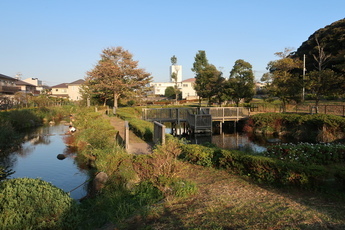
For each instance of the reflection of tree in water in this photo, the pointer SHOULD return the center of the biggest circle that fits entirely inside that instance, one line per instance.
(38, 136)
(8, 162)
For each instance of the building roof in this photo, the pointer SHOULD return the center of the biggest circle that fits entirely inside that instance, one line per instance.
(7, 77)
(62, 85)
(20, 82)
(77, 82)
(189, 80)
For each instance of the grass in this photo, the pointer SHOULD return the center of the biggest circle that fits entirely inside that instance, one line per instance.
(226, 201)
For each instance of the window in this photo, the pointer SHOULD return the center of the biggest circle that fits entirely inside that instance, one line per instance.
(185, 85)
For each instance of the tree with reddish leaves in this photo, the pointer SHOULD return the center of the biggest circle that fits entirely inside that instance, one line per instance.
(117, 74)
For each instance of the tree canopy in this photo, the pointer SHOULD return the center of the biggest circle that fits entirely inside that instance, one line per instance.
(241, 82)
(283, 80)
(207, 77)
(117, 74)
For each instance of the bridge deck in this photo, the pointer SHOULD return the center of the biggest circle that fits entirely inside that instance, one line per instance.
(199, 119)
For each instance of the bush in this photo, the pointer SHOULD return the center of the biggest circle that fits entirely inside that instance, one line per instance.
(197, 154)
(35, 204)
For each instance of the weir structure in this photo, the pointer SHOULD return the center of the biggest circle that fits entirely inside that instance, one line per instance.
(195, 120)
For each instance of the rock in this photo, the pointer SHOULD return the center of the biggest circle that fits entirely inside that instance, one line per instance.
(98, 183)
(61, 156)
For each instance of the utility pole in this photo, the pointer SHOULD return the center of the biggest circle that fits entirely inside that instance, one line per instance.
(303, 89)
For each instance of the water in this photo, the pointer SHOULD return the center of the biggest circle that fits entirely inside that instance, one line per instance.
(37, 158)
(231, 138)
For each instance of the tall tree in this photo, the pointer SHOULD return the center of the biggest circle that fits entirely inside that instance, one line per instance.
(241, 82)
(200, 62)
(118, 73)
(174, 75)
(206, 82)
(322, 81)
(285, 83)
(203, 75)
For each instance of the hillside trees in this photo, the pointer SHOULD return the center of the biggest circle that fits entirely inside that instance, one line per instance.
(241, 82)
(116, 74)
(325, 60)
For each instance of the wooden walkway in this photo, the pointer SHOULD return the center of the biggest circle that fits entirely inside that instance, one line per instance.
(198, 119)
(136, 144)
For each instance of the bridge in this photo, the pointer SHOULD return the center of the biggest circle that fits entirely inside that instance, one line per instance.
(198, 120)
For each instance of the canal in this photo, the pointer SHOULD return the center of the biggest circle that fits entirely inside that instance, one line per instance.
(37, 158)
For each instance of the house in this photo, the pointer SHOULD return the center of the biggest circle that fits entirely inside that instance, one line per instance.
(8, 85)
(74, 90)
(60, 90)
(68, 90)
(27, 87)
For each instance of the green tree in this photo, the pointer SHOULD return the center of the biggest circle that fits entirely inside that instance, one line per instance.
(322, 81)
(241, 82)
(170, 92)
(174, 77)
(285, 78)
(206, 82)
(206, 77)
(118, 73)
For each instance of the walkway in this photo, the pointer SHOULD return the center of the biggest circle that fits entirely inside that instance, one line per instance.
(136, 145)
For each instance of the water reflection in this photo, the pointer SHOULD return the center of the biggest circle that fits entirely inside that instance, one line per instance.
(229, 136)
(37, 158)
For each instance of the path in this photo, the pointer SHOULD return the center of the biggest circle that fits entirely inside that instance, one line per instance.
(136, 144)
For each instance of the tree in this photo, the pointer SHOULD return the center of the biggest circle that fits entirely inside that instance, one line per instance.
(322, 81)
(170, 92)
(206, 82)
(241, 81)
(285, 78)
(205, 76)
(118, 74)
(174, 75)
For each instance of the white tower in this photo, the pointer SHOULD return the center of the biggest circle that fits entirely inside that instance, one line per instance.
(178, 70)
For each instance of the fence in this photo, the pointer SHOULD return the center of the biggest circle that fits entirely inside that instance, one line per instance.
(338, 110)
(158, 133)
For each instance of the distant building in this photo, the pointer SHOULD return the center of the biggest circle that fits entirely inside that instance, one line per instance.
(26, 87)
(8, 85)
(68, 90)
(186, 86)
(39, 86)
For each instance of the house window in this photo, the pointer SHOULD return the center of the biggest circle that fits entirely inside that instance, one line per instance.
(56, 90)
(185, 85)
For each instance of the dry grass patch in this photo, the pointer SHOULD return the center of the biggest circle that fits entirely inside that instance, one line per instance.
(226, 201)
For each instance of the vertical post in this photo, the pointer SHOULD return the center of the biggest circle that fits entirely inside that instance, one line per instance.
(126, 135)
(303, 89)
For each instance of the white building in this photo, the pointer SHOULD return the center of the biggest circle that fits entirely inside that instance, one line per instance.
(186, 86)
(38, 83)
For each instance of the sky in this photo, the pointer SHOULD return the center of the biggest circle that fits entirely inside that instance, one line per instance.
(58, 41)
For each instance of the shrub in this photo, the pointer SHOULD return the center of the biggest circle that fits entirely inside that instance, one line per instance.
(306, 153)
(197, 154)
(35, 204)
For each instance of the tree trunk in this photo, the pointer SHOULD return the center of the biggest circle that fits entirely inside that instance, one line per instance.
(116, 98)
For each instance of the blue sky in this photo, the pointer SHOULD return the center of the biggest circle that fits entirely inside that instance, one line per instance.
(58, 41)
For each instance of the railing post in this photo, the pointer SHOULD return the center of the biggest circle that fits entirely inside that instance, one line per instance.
(126, 135)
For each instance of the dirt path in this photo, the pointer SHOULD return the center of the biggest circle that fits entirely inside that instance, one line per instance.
(136, 145)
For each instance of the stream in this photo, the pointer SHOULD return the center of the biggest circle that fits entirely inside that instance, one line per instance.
(37, 158)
